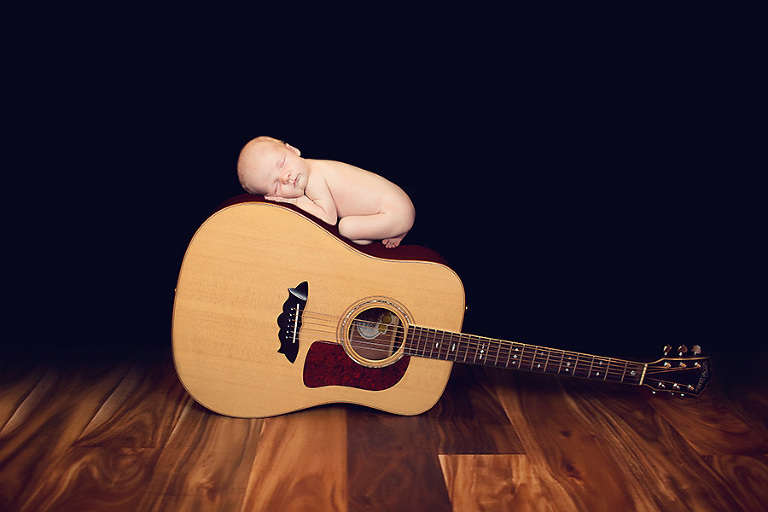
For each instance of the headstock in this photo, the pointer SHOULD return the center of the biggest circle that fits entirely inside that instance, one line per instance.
(687, 373)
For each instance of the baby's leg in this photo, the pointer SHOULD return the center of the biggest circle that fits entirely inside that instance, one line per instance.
(388, 227)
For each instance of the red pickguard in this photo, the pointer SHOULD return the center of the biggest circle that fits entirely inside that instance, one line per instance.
(328, 365)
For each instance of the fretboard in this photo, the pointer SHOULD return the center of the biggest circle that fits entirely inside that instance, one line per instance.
(469, 349)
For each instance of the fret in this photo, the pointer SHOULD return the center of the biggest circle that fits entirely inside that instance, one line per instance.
(481, 351)
(498, 352)
(431, 345)
(555, 362)
(582, 366)
(451, 348)
(515, 355)
(413, 341)
(454, 346)
(634, 374)
(438, 343)
(492, 352)
(539, 360)
(434, 342)
(599, 371)
(444, 347)
(424, 349)
(422, 342)
(416, 348)
(465, 350)
(570, 363)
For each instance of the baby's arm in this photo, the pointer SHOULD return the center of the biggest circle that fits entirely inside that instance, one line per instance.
(324, 210)
(321, 203)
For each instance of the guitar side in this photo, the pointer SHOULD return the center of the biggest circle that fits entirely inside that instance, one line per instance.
(232, 288)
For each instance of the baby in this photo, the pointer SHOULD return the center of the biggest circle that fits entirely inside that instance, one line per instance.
(369, 206)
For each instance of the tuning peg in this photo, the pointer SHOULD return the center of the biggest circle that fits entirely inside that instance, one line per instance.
(667, 349)
(696, 350)
(682, 349)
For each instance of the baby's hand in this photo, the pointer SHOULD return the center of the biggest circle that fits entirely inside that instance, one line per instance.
(278, 199)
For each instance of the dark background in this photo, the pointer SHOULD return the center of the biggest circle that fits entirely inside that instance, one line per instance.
(589, 177)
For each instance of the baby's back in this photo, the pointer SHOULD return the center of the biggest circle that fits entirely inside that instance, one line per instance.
(359, 192)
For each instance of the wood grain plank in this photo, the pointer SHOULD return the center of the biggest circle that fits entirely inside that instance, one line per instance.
(746, 478)
(142, 411)
(205, 465)
(741, 378)
(469, 419)
(108, 462)
(494, 482)
(709, 423)
(660, 468)
(301, 463)
(393, 463)
(15, 385)
(565, 446)
(46, 424)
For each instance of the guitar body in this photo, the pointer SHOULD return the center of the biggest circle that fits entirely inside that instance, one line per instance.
(264, 303)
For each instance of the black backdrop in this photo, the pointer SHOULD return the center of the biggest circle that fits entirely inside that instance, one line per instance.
(584, 180)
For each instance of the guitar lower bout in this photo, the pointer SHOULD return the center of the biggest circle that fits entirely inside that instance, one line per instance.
(273, 313)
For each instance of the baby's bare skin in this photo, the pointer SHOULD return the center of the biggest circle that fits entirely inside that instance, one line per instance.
(367, 206)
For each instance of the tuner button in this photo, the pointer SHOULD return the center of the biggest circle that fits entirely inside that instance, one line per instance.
(661, 385)
(676, 387)
(696, 350)
(697, 365)
(683, 365)
(667, 349)
(690, 387)
(682, 349)
(667, 364)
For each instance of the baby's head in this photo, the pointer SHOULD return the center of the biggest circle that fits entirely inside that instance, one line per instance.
(272, 168)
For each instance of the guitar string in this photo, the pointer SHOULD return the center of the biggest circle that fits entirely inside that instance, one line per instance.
(475, 344)
(479, 348)
(619, 372)
(616, 368)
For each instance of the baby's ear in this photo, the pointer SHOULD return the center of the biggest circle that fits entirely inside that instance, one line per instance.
(295, 150)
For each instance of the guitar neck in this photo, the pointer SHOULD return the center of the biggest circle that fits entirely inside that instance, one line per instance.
(470, 349)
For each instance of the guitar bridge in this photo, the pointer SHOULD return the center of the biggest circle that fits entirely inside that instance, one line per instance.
(289, 321)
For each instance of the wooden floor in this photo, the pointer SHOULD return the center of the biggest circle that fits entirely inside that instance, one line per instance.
(123, 434)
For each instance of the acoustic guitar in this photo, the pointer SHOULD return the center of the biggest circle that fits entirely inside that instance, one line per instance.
(274, 312)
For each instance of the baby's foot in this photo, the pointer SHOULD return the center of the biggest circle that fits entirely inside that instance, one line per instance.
(390, 243)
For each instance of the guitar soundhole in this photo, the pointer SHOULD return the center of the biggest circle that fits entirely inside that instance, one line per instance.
(375, 335)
